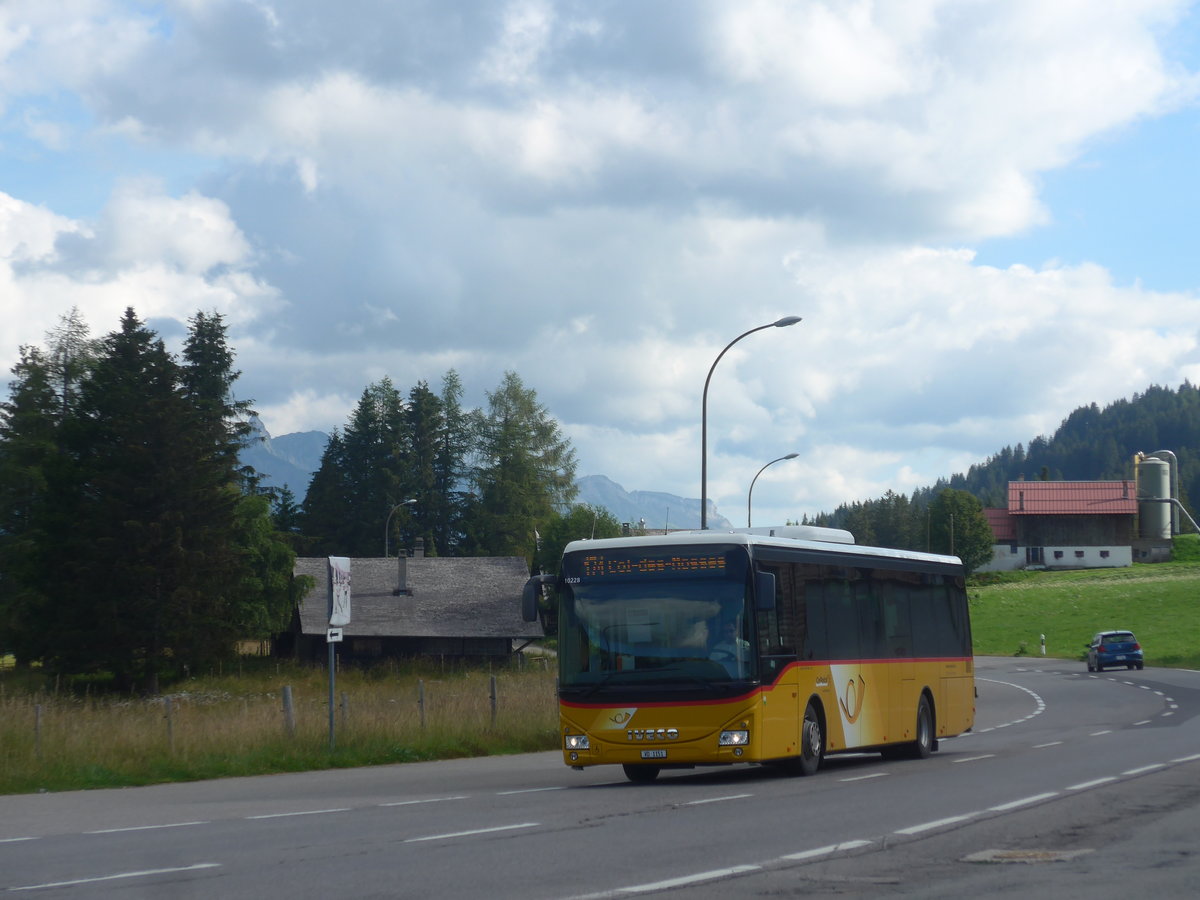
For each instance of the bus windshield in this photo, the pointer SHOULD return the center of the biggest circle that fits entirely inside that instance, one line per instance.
(654, 619)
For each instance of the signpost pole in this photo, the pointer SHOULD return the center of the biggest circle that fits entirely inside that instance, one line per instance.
(339, 617)
(332, 677)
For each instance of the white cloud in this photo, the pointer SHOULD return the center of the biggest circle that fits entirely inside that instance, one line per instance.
(600, 197)
(165, 257)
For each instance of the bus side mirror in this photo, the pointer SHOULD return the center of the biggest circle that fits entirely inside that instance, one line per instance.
(530, 595)
(764, 590)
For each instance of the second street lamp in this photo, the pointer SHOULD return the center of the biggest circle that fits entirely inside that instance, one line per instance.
(750, 493)
(781, 323)
(388, 523)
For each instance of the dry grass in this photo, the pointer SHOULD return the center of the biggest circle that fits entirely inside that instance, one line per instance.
(235, 725)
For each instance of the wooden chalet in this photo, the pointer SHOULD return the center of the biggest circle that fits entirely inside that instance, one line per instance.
(447, 607)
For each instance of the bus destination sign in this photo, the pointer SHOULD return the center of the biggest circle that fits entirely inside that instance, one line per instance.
(616, 565)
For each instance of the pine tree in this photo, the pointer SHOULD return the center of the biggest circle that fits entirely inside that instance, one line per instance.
(375, 467)
(452, 490)
(326, 508)
(426, 425)
(154, 557)
(71, 354)
(525, 473)
(29, 424)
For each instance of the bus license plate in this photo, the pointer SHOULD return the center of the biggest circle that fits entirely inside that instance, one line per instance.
(654, 754)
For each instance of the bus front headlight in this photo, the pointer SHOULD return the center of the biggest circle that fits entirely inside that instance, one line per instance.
(733, 739)
(576, 741)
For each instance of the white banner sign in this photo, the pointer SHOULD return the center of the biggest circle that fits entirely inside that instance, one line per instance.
(339, 591)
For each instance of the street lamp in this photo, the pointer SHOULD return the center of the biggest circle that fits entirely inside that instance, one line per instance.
(750, 495)
(782, 323)
(388, 524)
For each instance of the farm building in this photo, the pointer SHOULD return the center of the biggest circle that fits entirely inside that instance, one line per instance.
(1065, 525)
(447, 607)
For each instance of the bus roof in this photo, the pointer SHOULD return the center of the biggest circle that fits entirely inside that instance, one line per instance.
(753, 539)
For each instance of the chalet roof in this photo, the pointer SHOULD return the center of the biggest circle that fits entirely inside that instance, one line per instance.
(1058, 498)
(450, 597)
(1003, 526)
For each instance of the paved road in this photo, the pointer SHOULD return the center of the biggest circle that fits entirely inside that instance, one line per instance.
(1061, 761)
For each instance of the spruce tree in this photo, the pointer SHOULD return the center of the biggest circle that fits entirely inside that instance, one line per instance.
(29, 424)
(525, 472)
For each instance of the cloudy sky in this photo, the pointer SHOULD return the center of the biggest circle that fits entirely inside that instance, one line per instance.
(982, 209)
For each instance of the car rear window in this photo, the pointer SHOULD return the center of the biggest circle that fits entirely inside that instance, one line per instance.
(1120, 638)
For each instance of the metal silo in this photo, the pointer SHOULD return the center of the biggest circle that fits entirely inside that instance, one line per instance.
(1154, 494)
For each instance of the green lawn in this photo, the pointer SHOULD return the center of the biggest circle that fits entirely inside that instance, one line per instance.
(1160, 603)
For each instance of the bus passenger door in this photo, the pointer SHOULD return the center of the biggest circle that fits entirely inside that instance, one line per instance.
(779, 634)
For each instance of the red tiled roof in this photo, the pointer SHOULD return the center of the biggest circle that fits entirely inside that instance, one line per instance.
(1057, 498)
(1002, 524)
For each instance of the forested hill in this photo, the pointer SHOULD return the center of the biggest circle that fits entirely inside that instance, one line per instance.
(1092, 444)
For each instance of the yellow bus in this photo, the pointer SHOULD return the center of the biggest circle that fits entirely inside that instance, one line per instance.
(769, 645)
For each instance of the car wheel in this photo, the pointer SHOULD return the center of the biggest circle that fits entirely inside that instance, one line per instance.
(812, 741)
(641, 774)
(1139, 665)
(1091, 668)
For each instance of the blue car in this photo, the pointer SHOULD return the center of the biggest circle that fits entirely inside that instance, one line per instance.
(1114, 648)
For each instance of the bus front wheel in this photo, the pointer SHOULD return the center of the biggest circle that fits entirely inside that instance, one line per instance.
(812, 741)
(640, 774)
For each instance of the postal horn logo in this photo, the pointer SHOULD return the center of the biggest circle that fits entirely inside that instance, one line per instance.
(852, 699)
(621, 716)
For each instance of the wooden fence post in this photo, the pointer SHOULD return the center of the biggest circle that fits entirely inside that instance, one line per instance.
(170, 726)
(37, 730)
(289, 712)
(421, 700)
(492, 693)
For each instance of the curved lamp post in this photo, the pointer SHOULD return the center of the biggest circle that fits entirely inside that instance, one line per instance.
(781, 323)
(387, 524)
(750, 495)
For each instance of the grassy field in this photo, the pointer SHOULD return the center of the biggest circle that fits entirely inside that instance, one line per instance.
(1160, 603)
(235, 725)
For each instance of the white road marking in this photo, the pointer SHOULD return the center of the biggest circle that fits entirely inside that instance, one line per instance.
(865, 777)
(306, 812)
(144, 827)
(1043, 746)
(1091, 784)
(473, 832)
(927, 826)
(430, 800)
(825, 851)
(1098, 733)
(1024, 801)
(974, 758)
(1141, 769)
(718, 799)
(142, 874)
(529, 791)
(684, 880)
(17, 840)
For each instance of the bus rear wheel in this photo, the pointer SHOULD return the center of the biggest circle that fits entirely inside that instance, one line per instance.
(641, 774)
(922, 747)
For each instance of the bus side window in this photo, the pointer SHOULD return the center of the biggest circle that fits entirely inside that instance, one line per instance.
(768, 619)
(896, 620)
